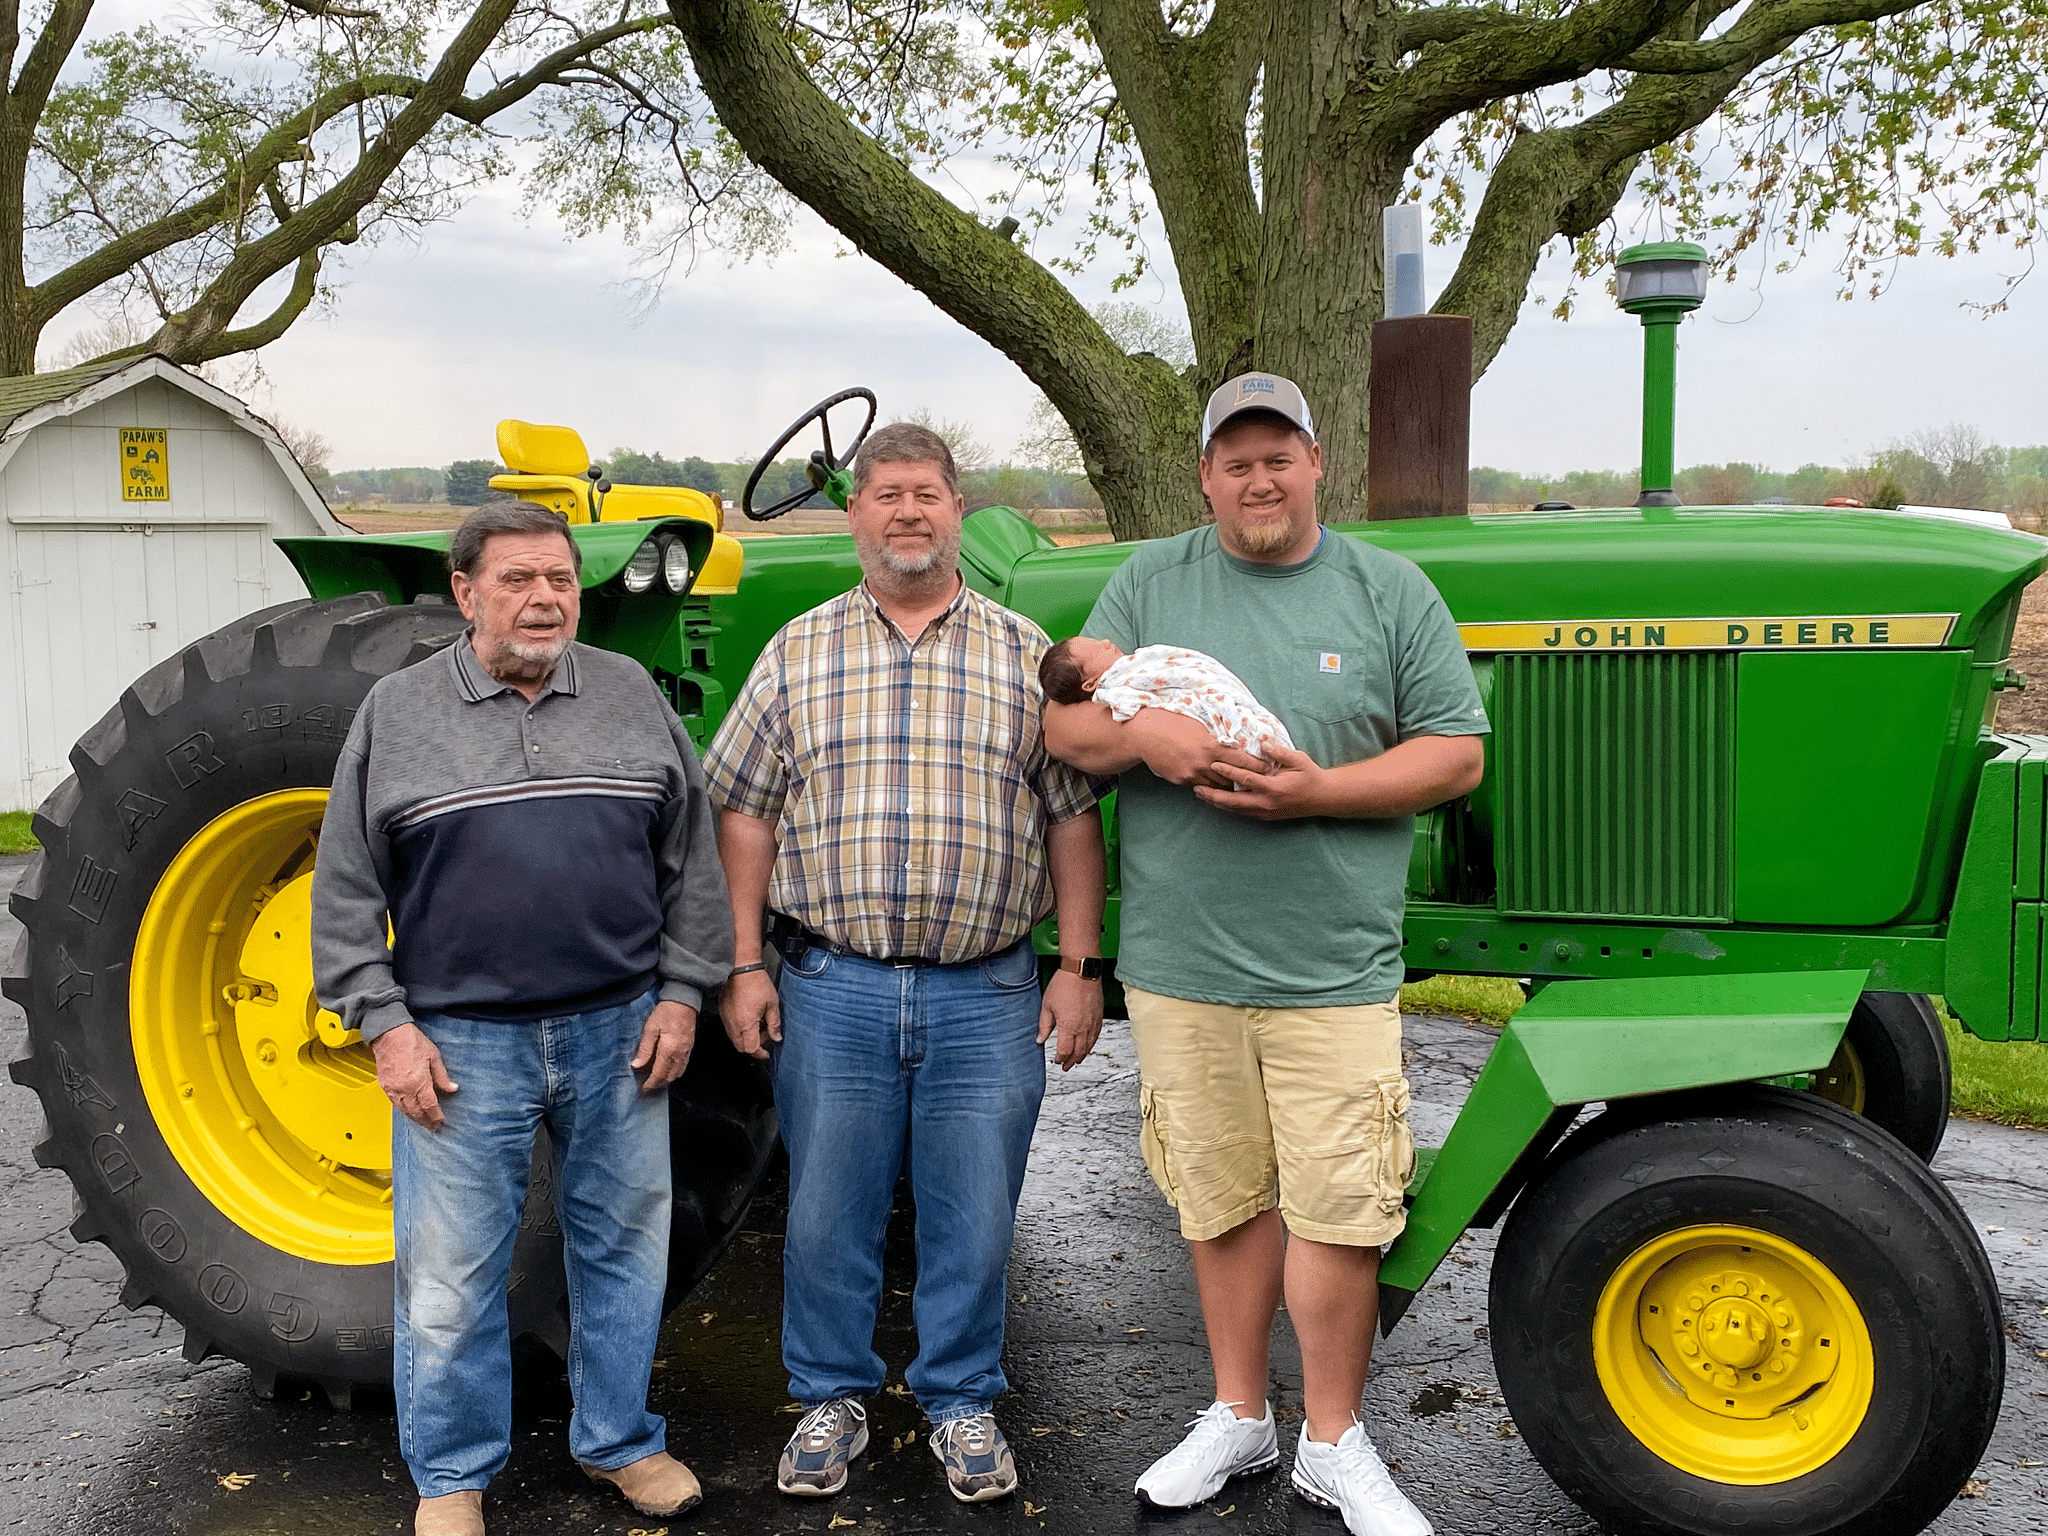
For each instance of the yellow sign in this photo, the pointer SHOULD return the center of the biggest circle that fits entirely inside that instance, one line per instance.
(1795, 632)
(145, 464)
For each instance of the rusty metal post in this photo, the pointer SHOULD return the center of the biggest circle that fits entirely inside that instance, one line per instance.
(1418, 461)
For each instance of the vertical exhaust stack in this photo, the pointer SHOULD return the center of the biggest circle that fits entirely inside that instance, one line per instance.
(1660, 284)
(1419, 452)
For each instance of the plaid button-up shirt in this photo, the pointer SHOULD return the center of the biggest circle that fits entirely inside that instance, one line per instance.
(909, 777)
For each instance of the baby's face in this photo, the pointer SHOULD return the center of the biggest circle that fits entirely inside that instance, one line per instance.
(1095, 656)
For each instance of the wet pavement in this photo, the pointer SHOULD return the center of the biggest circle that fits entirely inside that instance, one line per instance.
(105, 1429)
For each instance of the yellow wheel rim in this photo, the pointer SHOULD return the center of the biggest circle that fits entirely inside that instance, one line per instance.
(1733, 1354)
(269, 1106)
(1841, 1080)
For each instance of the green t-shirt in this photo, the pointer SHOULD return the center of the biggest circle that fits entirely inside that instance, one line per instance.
(1354, 650)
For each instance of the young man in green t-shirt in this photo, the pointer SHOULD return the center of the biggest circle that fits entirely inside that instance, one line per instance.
(1261, 930)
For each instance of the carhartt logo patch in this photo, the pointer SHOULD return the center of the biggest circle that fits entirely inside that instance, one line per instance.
(1329, 661)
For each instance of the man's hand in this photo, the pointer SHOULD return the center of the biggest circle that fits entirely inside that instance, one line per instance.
(665, 1044)
(752, 1014)
(1073, 1007)
(412, 1074)
(1290, 786)
(1180, 751)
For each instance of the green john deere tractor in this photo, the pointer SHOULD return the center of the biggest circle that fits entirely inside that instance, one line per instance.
(1744, 811)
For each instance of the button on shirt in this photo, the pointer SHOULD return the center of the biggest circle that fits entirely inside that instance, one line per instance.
(909, 777)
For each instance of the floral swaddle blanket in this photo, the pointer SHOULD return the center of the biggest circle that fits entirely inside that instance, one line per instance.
(1194, 684)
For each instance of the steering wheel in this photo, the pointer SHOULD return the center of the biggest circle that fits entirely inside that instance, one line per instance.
(822, 464)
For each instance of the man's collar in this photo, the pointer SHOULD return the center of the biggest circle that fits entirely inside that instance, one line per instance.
(874, 604)
(477, 684)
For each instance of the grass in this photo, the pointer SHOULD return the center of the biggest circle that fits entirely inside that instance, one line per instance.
(1994, 1080)
(15, 837)
(1997, 1080)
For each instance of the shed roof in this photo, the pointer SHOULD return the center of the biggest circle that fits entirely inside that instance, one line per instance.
(24, 392)
(29, 400)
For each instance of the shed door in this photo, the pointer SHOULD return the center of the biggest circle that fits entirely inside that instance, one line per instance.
(98, 607)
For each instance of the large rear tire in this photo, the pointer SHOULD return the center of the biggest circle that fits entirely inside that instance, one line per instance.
(226, 1140)
(1746, 1311)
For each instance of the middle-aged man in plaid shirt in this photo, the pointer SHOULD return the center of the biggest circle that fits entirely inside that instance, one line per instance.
(887, 794)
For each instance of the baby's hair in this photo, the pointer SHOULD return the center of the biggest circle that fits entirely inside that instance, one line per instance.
(1062, 677)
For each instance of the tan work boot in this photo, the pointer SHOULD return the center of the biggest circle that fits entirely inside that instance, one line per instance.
(654, 1485)
(452, 1514)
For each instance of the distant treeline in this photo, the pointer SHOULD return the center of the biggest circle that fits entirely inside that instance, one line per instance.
(1950, 467)
(465, 482)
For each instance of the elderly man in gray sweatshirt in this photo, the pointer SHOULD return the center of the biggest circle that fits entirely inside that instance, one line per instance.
(528, 815)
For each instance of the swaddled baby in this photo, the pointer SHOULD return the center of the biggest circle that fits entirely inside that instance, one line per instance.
(1161, 677)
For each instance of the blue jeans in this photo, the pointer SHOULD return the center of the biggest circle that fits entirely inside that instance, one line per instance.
(455, 1199)
(870, 1051)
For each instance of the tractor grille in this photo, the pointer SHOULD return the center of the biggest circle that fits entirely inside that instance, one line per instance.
(1616, 784)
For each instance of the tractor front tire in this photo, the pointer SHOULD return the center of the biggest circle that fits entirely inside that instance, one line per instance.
(1892, 1068)
(225, 1139)
(1746, 1311)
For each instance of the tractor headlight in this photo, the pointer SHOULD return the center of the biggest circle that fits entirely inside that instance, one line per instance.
(642, 568)
(675, 566)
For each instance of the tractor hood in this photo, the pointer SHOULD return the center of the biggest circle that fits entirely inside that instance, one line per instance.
(1704, 578)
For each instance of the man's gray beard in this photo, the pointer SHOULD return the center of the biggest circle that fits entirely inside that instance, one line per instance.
(532, 653)
(937, 562)
(1266, 538)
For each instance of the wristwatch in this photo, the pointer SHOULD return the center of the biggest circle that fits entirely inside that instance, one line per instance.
(1094, 968)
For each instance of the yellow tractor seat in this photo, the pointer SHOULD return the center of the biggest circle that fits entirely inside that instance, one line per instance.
(549, 468)
(526, 449)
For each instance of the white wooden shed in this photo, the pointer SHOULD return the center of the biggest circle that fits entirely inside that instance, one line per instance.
(138, 503)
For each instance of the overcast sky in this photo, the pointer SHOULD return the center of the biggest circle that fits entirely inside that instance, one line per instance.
(494, 316)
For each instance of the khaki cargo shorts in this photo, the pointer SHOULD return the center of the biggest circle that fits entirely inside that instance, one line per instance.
(1249, 1108)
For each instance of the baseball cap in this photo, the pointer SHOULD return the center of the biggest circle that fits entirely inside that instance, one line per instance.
(1256, 392)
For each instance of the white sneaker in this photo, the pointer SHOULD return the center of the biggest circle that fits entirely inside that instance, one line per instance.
(1350, 1478)
(1218, 1447)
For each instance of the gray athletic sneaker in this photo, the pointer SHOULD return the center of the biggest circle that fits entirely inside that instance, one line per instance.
(828, 1437)
(976, 1458)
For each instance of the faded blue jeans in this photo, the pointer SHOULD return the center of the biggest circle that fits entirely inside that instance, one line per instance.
(455, 1198)
(870, 1051)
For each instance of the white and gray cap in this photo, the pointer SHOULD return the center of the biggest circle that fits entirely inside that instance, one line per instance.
(1256, 392)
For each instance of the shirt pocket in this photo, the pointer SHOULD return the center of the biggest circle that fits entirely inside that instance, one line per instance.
(1328, 680)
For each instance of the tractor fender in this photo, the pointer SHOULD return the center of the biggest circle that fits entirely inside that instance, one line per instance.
(1586, 1042)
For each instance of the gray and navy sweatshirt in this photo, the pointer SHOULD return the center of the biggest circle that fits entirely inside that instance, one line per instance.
(534, 859)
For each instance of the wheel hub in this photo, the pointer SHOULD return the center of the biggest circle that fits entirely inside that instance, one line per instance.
(1734, 1354)
(267, 1104)
(297, 1053)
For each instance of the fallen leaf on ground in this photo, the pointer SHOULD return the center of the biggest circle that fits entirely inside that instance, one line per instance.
(1975, 1488)
(1033, 1509)
(1220, 1513)
(707, 1317)
(839, 1521)
(659, 1530)
(1506, 1430)
(1133, 1332)
(1043, 1429)
(235, 1482)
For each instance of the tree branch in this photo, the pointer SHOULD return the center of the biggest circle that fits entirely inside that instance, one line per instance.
(31, 89)
(478, 110)
(1130, 414)
(189, 336)
(1443, 24)
(1506, 57)
(283, 143)
(1762, 32)
(1188, 99)
(305, 286)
